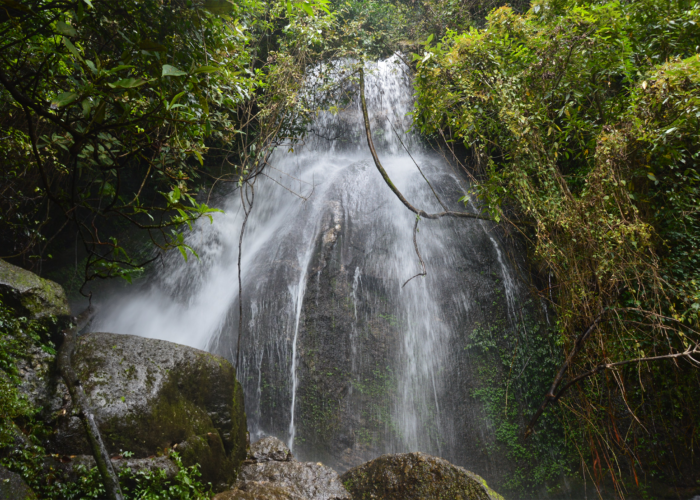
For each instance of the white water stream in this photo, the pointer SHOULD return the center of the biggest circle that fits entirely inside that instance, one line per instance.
(412, 338)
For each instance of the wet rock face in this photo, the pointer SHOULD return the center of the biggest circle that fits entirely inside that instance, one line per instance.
(12, 487)
(274, 474)
(305, 479)
(259, 491)
(29, 294)
(270, 449)
(409, 476)
(149, 395)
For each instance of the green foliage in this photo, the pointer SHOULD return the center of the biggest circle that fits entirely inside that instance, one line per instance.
(582, 119)
(107, 115)
(515, 363)
(17, 336)
(143, 484)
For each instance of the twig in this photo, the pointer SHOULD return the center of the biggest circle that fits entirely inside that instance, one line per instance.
(240, 252)
(549, 397)
(415, 244)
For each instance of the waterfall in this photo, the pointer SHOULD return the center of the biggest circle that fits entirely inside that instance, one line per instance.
(336, 357)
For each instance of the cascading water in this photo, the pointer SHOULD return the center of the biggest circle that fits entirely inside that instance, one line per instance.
(336, 357)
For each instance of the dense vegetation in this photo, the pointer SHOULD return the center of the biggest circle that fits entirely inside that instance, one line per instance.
(580, 120)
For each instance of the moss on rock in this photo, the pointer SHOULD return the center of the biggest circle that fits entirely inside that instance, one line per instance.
(36, 297)
(149, 395)
(415, 476)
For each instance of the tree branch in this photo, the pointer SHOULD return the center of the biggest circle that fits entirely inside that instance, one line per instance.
(386, 177)
(99, 451)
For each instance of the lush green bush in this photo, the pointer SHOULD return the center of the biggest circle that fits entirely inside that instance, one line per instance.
(582, 119)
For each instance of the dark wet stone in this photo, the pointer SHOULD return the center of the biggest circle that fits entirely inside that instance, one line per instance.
(308, 480)
(270, 449)
(13, 487)
(415, 476)
(149, 395)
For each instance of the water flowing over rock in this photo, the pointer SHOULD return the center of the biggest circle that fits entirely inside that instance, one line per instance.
(149, 396)
(415, 476)
(337, 358)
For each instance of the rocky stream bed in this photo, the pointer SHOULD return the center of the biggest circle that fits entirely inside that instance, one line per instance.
(152, 397)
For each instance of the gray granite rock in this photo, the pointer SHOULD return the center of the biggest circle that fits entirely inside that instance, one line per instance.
(150, 395)
(31, 295)
(270, 449)
(12, 487)
(306, 479)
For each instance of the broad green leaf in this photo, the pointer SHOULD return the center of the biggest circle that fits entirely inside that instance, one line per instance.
(63, 99)
(169, 70)
(120, 67)
(65, 29)
(176, 98)
(199, 157)
(218, 6)
(206, 69)
(71, 48)
(127, 83)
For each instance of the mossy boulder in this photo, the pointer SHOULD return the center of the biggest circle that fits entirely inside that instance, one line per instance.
(30, 295)
(263, 490)
(149, 396)
(12, 487)
(415, 476)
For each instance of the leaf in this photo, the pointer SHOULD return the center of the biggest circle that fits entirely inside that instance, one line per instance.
(127, 83)
(152, 46)
(100, 112)
(205, 69)
(176, 98)
(72, 49)
(183, 251)
(65, 29)
(63, 99)
(199, 157)
(120, 67)
(652, 177)
(169, 70)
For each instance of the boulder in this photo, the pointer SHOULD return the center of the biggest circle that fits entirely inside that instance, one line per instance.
(307, 480)
(415, 476)
(12, 487)
(270, 449)
(255, 490)
(149, 396)
(30, 295)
